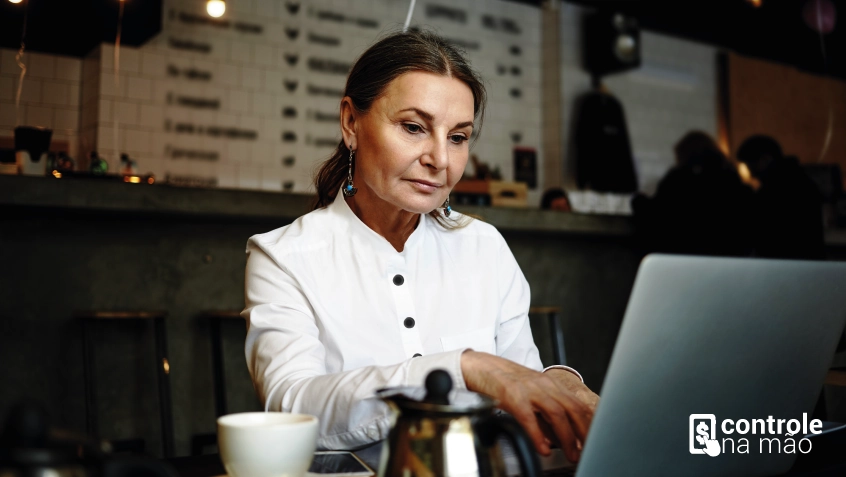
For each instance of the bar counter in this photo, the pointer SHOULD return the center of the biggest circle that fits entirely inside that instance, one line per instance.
(115, 196)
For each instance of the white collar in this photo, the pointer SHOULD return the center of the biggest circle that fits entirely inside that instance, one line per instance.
(341, 211)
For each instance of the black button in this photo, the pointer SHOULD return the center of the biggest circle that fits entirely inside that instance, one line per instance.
(417, 355)
(409, 322)
(398, 280)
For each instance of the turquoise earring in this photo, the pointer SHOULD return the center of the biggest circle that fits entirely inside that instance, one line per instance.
(349, 190)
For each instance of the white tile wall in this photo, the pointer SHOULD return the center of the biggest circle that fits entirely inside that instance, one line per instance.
(56, 93)
(248, 73)
(90, 106)
(130, 60)
(31, 92)
(108, 88)
(240, 101)
(137, 141)
(126, 113)
(229, 75)
(140, 89)
(8, 118)
(249, 177)
(68, 68)
(66, 121)
(39, 65)
(265, 55)
(106, 142)
(75, 94)
(151, 116)
(8, 66)
(105, 109)
(50, 96)
(7, 88)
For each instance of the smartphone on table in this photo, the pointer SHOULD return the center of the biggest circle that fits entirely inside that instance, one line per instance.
(338, 463)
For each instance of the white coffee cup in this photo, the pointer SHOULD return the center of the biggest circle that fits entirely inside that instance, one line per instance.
(266, 444)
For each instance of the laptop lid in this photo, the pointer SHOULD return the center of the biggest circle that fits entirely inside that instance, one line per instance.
(705, 340)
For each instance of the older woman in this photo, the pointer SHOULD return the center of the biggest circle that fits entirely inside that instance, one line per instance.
(383, 282)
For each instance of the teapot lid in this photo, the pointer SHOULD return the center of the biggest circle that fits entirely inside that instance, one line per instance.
(437, 396)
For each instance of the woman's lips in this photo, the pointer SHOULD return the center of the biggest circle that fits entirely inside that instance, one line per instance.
(425, 186)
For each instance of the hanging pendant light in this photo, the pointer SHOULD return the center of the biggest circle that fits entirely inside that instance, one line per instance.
(216, 8)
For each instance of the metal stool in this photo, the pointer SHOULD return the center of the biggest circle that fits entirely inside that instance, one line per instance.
(162, 367)
(556, 334)
(216, 319)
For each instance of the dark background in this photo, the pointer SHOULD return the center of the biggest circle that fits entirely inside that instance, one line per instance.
(775, 31)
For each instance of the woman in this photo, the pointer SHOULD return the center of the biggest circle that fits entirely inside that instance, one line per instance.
(383, 282)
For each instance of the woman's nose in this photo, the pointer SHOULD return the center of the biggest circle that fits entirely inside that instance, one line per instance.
(437, 156)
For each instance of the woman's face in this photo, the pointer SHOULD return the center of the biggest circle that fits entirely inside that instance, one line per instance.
(411, 147)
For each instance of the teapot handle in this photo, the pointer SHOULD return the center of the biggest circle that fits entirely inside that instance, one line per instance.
(493, 427)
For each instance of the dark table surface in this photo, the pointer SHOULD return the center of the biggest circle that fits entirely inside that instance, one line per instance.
(210, 466)
(828, 459)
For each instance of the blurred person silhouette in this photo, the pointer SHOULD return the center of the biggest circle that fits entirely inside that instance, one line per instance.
(604, 160)
(555, 198)
(788, 220)
(701, 206)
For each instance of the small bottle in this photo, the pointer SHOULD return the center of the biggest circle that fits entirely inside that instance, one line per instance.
(128, 167)
(51, 162)
(98, 166)
(65, 163)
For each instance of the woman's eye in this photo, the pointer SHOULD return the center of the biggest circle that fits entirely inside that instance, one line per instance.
(412, 128)
(458, 138)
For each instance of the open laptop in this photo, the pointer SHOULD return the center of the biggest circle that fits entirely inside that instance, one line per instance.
(709, 339)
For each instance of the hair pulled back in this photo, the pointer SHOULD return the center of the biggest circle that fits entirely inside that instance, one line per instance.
(387, 59)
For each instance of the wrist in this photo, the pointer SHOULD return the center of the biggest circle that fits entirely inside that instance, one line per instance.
(469, 362)
(476, 368)
(560, 368)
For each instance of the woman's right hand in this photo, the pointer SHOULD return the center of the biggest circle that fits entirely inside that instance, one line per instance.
(536, 400)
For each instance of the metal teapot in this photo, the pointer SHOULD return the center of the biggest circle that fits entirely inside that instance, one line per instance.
(439, 431)
(29, 448)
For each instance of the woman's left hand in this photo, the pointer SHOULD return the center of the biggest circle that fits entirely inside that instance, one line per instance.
(549, 406)
(571, 383)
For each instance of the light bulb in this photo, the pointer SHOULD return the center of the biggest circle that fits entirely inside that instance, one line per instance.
(16, 1)
(216, 8)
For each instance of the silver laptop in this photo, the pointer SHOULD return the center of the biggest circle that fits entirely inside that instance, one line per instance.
(710, 349)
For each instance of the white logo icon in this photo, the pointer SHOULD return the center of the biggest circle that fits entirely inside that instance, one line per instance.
(701, 441)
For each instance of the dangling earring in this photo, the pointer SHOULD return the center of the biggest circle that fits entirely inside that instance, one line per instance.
(349, 190)
(447, 208)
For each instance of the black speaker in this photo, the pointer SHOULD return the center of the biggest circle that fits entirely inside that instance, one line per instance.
(611, 43)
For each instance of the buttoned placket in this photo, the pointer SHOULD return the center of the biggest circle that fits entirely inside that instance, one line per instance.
(396, 275)
(401, 283)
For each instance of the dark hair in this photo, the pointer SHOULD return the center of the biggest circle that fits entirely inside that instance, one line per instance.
(552, 194)
(390, 57)
(697, 147)
(759, 145)
(758, 152)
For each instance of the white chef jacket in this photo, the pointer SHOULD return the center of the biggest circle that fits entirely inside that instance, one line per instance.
(334, 313)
